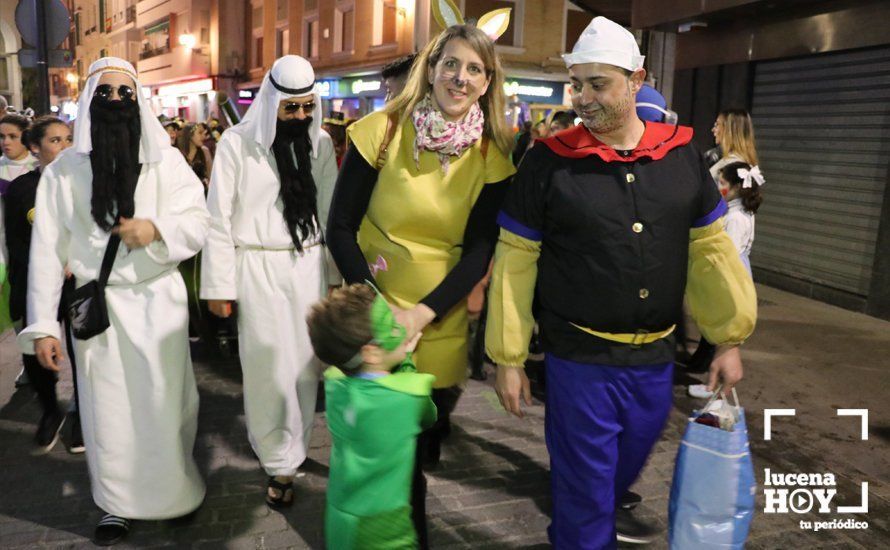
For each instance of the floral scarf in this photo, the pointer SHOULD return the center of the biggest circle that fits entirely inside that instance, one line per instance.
(445, 138)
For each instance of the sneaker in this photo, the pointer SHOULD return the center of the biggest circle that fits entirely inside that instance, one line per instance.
(111, 530)
(75, 445)
(633, 531)
(629, 500)
(48, 431)
(22, 379)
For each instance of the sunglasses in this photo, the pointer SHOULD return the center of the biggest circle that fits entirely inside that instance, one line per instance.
(125, 92)
(294, 107)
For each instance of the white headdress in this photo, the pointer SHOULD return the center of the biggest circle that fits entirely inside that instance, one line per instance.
(604, 41)
(153, 138)
(750, 176)
(290, 76)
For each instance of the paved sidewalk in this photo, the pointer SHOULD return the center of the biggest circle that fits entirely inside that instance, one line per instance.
(491, 489)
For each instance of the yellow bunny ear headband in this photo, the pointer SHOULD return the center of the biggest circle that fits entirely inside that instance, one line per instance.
(493, 23)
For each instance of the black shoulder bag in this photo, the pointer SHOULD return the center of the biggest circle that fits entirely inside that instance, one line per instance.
(87, 310)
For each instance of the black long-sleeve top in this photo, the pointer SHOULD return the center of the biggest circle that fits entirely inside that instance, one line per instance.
(352, 194)
(17, 204)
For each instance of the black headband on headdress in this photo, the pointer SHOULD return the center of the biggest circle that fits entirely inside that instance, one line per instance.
(292, 91)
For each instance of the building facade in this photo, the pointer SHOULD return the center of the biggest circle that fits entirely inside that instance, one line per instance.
(814, 76)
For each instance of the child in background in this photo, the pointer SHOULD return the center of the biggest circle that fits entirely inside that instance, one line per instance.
(377, 404)
(740, 184)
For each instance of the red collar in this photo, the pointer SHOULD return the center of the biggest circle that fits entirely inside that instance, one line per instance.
(658, 139)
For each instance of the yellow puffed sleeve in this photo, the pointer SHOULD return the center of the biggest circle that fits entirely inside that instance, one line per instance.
(719, 290)
(509, 325)
(367, 135)
(498, 166)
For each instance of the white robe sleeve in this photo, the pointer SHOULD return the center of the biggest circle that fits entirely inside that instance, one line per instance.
(738, 230)
(183, 221)
(48, 257)
(325, 186)
(218, 259)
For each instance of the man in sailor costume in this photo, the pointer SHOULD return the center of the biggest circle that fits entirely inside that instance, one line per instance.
(269, 196)
(609, 223)
(137, 394)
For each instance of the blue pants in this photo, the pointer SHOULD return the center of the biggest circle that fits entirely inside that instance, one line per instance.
(601, 423)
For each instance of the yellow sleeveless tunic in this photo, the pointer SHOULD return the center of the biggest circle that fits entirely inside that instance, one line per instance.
(412, 233)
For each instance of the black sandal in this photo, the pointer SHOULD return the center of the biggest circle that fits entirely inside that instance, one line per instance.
(111, 530)
(277, 503)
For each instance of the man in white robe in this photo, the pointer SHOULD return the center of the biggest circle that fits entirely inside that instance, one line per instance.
(271, 187)
(138, 399)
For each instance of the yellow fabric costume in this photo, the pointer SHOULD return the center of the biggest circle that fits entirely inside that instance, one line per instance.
(413, 230)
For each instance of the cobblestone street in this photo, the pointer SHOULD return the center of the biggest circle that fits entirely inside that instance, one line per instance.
(491, 488)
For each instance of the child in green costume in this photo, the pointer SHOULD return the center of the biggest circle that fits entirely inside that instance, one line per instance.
(377, 404)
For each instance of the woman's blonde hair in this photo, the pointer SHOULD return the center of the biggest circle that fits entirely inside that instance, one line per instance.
(492, 102)
(738, 135)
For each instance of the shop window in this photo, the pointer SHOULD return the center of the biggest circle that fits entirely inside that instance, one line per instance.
(512, 36)
(344, 27)
(384, 25)
(576, 20)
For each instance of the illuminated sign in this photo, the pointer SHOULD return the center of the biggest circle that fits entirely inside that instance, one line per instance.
(246, 94)
(533, 90)
(360, 86)
(323, 88)
(186, 88)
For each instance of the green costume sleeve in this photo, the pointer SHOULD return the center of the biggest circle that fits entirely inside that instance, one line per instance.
(720, 293)
(510, 322)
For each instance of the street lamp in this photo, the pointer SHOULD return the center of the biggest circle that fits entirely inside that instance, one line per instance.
(188, 40)
(71, 78)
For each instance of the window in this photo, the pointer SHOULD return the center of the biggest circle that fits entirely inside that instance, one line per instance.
(310, 5)
(513, 35)
(384, 26)
(77, 35)
(576, 20)
(310, 47)
(157, 39)
(344, 27)
(257, 51)
(257, 17)
(282, 42)
(281, 12)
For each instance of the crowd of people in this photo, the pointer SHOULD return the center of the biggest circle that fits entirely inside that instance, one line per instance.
(347, 256)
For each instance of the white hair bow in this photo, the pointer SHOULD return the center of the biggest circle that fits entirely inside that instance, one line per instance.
(748, 176)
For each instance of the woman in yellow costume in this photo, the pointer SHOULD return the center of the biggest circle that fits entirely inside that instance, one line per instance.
(415, 205)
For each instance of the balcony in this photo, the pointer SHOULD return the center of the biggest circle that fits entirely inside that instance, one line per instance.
(131, 14)
(163, 65)
(148, 54)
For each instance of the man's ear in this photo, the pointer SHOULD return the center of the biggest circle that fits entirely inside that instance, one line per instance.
(637, 78)
(371, 355)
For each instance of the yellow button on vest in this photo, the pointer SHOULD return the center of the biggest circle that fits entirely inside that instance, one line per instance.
(638, 227)
(644, 293)
(631, 178)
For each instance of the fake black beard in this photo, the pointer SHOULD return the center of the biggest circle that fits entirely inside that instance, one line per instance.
(115, 131)
(298, 191)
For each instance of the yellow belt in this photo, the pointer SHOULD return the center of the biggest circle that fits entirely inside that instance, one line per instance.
(637, 338)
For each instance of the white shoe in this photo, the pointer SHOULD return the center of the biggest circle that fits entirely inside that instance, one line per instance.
(699, 391)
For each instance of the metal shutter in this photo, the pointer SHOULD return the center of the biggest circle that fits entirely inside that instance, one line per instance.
(822, 124)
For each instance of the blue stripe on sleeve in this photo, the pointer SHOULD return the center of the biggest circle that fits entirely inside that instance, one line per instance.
(513, 226)
(715, 215)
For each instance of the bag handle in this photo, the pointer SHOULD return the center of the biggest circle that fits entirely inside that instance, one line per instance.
(719, 391)
(108, 259)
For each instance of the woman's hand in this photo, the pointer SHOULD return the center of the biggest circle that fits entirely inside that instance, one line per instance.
(415, 319)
